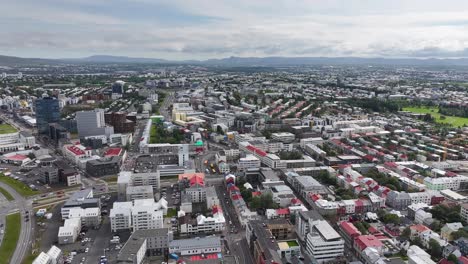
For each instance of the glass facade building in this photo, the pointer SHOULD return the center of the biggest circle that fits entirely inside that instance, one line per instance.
(47, 111)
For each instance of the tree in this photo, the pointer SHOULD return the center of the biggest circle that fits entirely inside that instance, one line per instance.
(246, 195)
(436, 225)
(219, 130)
(460, 233)
(453, 258)
(435, 249)
(381, 213)
(255, 203)
(406, 233)
(391, 219)
(417, 241)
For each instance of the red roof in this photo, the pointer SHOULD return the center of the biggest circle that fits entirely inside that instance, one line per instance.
(76, 150)
(373, 230)
(315, 197)
(295, 201)
(17, 157)
(256, 194)
(207, 256)
(282, 211)
(191, 175)
(350, 229)
(256, 150)
(113, 152)
(419, 228)
(365, 241)
(197, 181)
(216, 209)
(463, 260)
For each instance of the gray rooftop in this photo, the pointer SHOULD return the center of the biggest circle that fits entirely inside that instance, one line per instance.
(198, 242)
(129, 250)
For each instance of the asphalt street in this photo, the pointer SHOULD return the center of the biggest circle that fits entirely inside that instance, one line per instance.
(22, 205)
(236, 239)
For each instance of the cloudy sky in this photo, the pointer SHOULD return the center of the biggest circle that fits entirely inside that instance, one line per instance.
(200, 29)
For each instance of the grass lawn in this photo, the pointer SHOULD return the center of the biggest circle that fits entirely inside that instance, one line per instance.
(12, 232)
(6, 128)
(171, 212)
(19, 187)
(292, 243)
(29, 259)
(6, 194)
(454, 121)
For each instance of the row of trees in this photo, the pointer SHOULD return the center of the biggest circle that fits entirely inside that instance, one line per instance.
(384, 180)
(290, 155)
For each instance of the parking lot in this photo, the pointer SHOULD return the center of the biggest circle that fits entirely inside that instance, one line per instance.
(92, 243)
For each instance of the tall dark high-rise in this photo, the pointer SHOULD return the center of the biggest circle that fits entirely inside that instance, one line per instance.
(47, 111)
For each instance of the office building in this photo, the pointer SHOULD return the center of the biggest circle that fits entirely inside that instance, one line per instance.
(103, 166)
(92, 123)
(323, 242)
(120, 122)
(118, 87)
(47, 111)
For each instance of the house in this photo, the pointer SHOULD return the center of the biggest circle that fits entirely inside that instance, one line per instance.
(448, 229)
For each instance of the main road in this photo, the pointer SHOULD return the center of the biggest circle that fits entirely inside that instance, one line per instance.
(21, 205)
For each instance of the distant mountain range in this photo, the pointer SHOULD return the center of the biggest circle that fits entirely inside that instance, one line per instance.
(241, 61)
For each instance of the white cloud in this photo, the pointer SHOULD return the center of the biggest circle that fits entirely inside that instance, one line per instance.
(245, 28)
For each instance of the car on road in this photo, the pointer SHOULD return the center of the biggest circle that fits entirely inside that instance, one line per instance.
(86, 250)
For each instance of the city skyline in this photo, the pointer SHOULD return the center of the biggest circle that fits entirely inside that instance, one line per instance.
(177, 30)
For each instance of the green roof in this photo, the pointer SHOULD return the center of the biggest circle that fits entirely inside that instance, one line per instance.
(199, 143)
(6, 128)
(292, 243)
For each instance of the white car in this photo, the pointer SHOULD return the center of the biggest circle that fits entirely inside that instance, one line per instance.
(86, 250)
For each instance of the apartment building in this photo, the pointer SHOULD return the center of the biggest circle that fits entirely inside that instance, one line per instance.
(140, 214)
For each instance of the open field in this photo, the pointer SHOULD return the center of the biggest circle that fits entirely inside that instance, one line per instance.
(454, 121)
(19, 187)
(6, 128)
(12, 232)
(6, 194)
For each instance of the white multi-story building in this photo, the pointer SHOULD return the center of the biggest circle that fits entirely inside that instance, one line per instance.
(420, 197)
(121, 216)
(140, 214)
(68, 233)
(90, 217)
(249, 162)
(323, 242)
(53, 256)
(139, 192)
(421, 216)
(453, 183)
(78, 154)
(128, 178)
(146, 214)
(203, 224)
